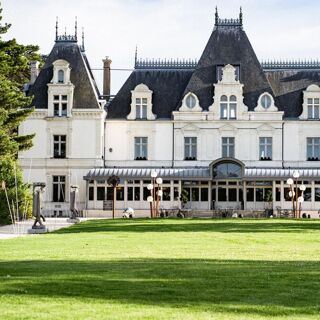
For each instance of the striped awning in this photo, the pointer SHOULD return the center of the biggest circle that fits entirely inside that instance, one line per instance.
(202, 173)
(137, 173)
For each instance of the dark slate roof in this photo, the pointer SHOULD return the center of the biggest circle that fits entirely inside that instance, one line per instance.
(228, 46)
(167, 86)
(85, 92)
(288, 87)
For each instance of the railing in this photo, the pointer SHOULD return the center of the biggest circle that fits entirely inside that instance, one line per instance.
(66, 38)
(166, 64)
(291, 64)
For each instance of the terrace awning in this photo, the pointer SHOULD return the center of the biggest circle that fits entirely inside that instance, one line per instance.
(202, 173)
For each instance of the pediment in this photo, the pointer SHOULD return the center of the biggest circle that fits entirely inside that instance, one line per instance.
(228, 128)
(190, 127)
(265, 127)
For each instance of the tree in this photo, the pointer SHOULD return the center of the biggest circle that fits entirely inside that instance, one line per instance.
(113, 181)
(14, 108)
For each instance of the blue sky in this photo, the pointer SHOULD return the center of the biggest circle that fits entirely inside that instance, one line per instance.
(165, 28)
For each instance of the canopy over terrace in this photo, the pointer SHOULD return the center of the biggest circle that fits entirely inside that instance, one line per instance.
(202, 173)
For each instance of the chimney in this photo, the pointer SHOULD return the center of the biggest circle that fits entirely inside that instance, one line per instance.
(34, 71)
(106, 77)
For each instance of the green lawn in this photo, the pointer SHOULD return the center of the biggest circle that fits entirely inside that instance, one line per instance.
(164, 269)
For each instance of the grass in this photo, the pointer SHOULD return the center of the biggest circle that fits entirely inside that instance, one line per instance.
(164, 269)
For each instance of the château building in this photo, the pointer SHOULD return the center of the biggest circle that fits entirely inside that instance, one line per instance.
(227, 129)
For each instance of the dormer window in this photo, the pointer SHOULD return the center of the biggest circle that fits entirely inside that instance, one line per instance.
(219, 72)
(60, 105)
(228, 107)
(141, 108)
(266, 101)
(311, 103)
(60, 76)
(141, 104)
(191, 101)
(313, 108)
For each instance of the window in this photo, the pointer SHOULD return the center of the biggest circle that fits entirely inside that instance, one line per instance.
(141, 108)
(101, 192)
(227, 170)
(91, 193)
(190, 148)
(219, 72)
(265, 148)
(60, 76)
(228, 147)
(59, 147)
(59, 188)
(140, 148)
(313, 149)
(60, 103)
(313, 108)
(191, 101)
(228, 107)
(266, 101)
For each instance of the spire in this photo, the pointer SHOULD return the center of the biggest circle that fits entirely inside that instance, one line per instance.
(76, 28)
(240, 16)
(216, 17)
(136, 56)
(82, 46)
(56, 28)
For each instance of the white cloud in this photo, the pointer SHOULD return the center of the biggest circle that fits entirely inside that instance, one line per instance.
(165, 28)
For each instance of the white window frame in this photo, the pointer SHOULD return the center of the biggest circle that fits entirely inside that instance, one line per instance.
(60, 102)
(315, 108)
(190, 148)
(265, 148)
(61, 180)
(314, 144)
(59, 142)
(141, 108)
(227, 106)
(228, 143)
(139, 144)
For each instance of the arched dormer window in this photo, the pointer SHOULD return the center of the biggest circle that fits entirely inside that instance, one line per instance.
(60, 76)
(190, 102)
(141, 103)
(228, 107)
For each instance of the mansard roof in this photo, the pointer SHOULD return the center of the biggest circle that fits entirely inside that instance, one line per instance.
(228, 44)
(85, 92)
(288, 86)
(167, 86)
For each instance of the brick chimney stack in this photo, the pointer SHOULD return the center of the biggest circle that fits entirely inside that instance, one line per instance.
(34, 71)
(106, 78)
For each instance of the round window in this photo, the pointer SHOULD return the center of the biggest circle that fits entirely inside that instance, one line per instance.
(266, 101)
(190, 101)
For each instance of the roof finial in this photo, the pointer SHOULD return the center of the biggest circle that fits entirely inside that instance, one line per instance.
(76, 28)
(56, 28)
(65, 31)
(240, 16)
(82, 48)
(136, 56)
(216, 16)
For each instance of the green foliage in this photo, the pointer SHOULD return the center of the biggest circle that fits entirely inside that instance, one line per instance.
(14, 108)
(9, 173)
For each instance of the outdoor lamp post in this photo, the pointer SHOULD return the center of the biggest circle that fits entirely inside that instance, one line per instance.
(296, 201)
(156, 193)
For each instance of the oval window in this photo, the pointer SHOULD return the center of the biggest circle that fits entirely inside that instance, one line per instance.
(266, 101)
(190, 101)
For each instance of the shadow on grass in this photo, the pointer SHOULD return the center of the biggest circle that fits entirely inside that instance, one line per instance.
(265, 288)
(192, 225)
